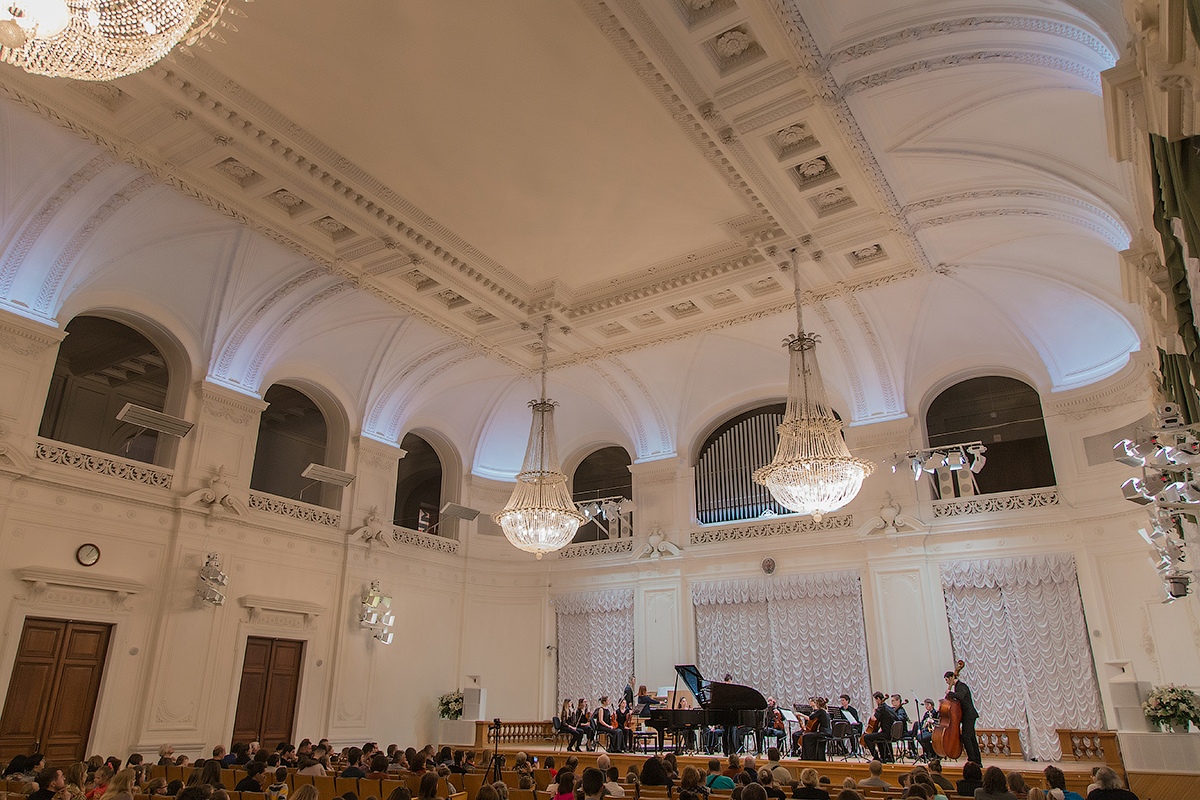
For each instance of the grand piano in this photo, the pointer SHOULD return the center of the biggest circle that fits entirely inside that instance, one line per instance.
(728, 705)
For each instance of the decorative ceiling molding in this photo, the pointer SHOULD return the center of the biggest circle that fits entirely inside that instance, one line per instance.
(1119, 235)
(255, 367)
(388, 390)
(927, 65)
(230, 349)
(1006, 22)
(37, 224)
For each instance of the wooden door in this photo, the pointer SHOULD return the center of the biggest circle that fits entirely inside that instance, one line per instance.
(270, 684)
(53, 688)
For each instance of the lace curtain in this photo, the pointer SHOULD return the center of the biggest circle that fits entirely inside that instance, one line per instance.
(1019, 625)
(595, 644)
(791, 637)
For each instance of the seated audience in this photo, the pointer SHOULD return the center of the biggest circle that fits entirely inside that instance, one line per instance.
(165, 755)
(935, 772)
(566, 786)
(353, 764)
(252, 782)
(210, 774)
(428, 789)
(972, 779)
(691, 785)
(1055, 779)
(1109, 787)
(120, 787)
(402, 793)
(486, 792)
(767, 779)
(1017, 785)
(75, 780)
(654, 774)
(306, 792)
(279, 789)
(50, 782)
(156, 786)
(995, 786)
(808, 789)
(876, 778)
(715, 779)
(612, 783)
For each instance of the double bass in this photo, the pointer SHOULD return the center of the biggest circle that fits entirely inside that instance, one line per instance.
(947, 736)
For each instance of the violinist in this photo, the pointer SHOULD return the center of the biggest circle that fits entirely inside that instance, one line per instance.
(772, 726)
(958, 689)
(879, 740)
(817, 731)
(625, 723)
(581, 720)
(925, 727)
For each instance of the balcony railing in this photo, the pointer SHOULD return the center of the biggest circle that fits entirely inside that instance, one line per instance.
(996, 503)
(103, 464)
(429, 541)
(293, 509)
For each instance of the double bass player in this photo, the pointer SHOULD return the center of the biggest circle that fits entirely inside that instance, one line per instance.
(957, 690)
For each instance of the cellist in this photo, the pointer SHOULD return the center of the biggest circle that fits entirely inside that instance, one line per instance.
(819, 729)
(960, 691)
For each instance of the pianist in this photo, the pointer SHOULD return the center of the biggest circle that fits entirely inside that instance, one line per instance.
(645, 700)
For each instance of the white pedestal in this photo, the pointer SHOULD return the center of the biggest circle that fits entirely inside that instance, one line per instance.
(1176, 753)
(474, 703)
(456, 731)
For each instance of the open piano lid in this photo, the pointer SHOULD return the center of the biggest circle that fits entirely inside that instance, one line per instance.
(715, 694)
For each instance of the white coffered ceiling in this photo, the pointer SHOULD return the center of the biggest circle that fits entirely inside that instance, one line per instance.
(424, 181)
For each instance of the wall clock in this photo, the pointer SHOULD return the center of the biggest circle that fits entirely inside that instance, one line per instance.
(87, 554)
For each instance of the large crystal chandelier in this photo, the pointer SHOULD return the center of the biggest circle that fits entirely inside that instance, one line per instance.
(813, 471)
(540, 516)
(98, 40)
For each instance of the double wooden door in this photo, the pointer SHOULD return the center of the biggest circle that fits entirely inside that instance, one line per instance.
(266, 706)
(52, 692)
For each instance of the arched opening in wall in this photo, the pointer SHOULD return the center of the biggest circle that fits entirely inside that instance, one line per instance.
(102, 365)
(1006, 415)
(725, 491)
(603, 485)
(292, 433)
(418, 486)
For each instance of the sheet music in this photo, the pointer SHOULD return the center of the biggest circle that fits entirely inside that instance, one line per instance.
(789, 715)
(849, 717)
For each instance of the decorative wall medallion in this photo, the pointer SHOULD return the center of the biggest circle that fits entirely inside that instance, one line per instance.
(813, 171)
(866, 255)
(761, 287)
(684, 309)
(733, 43)
(480, 315)
(238, 172)
(768, 565)
(613, 329)
(333, 229)
(451, 298)
(646, 319)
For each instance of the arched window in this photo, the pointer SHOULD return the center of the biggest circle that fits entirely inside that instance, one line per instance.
(1006, 415)
(418, 486)
(102, 365)
(292, 433)
(725, 491)
(603, 483)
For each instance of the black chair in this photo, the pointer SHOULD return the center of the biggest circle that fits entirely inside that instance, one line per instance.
(842, 742)
(560, 733)
(907, 744)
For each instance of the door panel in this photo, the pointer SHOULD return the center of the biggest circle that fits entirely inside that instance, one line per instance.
(270, 682)
(53, 689)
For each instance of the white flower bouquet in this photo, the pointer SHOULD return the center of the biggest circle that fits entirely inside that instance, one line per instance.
(450, 705)
(1172, 705)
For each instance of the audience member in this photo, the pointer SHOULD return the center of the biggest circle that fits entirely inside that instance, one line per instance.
(767, 779)
(690, 784)
(402, 793)
(165, 755)
(876, 779)
(100, 781)
(486, 792)
(735, 766)
(592, 783)
(210, 774)
(306, 792)
(935, 772)
(253, 780)
(972, 779)
(1055, 779)
(50, 782)
(995, 786)
(1110, 787)
(653, 773)
(808, 789)
(715, 780)
(849, 794)
(1017, 785)
(354, 768)
(120, 787)
(158, 786)
(612, 783)
(754, 791)
(279, 789)
(428, 789)
(75, 778)
(783, 775)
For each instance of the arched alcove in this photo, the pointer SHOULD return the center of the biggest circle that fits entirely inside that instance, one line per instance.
(102, 365)
(292, 433)
(418, 485)
(725, 491)
(1006, 415)
(603, 481)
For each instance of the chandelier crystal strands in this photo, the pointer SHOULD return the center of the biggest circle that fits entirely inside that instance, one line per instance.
(541, 516)
(99, 40)
(812, 471)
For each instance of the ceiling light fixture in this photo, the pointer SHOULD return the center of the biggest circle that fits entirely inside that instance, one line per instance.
(540, 516)
(813, 471)
(99, 40)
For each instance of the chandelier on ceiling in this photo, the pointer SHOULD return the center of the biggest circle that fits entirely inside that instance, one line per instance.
(540, 516)
(812, 471)
(99, 40)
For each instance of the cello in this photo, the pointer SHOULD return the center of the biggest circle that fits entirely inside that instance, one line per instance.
(947, 736)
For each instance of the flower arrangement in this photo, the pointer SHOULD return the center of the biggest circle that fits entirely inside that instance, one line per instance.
(450, 705)
(1172, 705)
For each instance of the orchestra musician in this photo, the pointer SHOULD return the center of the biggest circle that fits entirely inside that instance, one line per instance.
(851, 715)
(645, 700)
(924, 729)
(772, 726)
(582, 719)
(879, 740)
(604, 720)
(566, 719)
(958, 689)
(817, 730)
(899, 712)
(625, 723)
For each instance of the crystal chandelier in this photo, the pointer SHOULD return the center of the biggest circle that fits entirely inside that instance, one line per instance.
(540, 516)
(813, 471)
(98, 40)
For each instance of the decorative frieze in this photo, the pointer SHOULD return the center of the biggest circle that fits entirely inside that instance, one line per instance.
(428, 541)
(762, 530)
(261, 501)
(602, 547)
(994, 503)
(102, 464)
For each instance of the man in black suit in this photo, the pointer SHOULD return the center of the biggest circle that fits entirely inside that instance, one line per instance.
(959, 690)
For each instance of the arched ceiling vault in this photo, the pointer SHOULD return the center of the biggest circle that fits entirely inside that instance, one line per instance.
(389, 215)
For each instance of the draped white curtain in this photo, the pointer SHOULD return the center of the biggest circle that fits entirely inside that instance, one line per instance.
(790, 636)
(595, 644)
(1019, 625)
